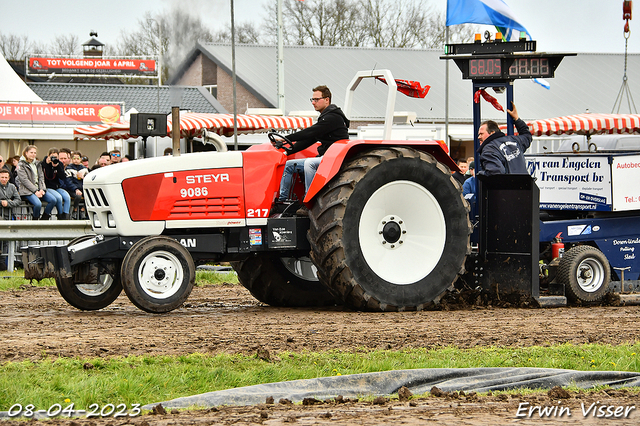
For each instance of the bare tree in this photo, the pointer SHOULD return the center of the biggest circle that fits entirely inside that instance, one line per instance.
(172, 34)
(373, 23)
(65, 45)
(14, 47)
(246, 33)
(457, 33)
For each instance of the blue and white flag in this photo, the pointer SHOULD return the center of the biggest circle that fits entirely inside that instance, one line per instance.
(487, 12)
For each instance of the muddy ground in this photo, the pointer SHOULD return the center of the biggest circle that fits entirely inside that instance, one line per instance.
(36, 322)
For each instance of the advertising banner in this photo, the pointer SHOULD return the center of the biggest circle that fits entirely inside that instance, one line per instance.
(91, 66)
(34, 113)
(625, 172)
(572, 182)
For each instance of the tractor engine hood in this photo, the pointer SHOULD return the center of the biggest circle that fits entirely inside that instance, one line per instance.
(135, 197)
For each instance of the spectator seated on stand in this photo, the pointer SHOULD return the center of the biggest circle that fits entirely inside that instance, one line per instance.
(9, 196)
(74, 176)
(8, 167)
(115, 156)
(32, 187)
(53, 177)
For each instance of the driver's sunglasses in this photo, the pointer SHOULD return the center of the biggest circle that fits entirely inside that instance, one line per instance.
(313, 100)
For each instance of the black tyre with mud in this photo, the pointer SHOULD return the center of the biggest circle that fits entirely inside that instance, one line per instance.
(283, 281)
(94, 285)
(391, 231)
(94, 295)
(585, 272)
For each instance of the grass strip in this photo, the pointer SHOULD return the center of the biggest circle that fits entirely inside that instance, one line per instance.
(14, 280)
(148, 379)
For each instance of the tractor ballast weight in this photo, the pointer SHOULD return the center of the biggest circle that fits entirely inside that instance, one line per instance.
(509, 235)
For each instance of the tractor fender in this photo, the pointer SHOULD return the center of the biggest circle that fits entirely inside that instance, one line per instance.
(341, 150)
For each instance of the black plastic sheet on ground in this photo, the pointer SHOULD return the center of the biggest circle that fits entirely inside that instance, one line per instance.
(418, 381)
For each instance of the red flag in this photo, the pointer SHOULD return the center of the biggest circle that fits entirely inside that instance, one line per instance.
(410, 88)
(487, 97)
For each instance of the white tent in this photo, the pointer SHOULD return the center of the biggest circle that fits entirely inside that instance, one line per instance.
(12, 88)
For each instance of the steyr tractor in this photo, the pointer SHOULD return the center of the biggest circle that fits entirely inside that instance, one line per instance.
(388, 228)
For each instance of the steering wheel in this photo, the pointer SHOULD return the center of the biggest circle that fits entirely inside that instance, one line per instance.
(285, 144)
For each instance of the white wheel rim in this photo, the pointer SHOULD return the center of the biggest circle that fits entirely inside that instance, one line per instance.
(302, 267)
(590, 275)
(94, 290)
(160, 274)
(419, 219)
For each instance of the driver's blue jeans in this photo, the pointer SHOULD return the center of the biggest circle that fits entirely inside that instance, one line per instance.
(291, 167)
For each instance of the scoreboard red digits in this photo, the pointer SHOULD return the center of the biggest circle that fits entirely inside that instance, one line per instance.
(485, 68)
(508, 67)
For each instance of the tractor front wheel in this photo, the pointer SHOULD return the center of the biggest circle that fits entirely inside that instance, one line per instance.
(93, 286)
(158, 274)
(104, 288)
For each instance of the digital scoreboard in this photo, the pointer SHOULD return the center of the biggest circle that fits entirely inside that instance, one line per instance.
(508, 68)
(503, 60)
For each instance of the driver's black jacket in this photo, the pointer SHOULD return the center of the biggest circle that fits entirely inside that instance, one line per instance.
(504, 154)
(332, 125)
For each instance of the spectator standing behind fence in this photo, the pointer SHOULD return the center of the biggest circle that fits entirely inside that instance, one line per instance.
(75, 173)
(53, 174)
(32, 186)
(9, 197)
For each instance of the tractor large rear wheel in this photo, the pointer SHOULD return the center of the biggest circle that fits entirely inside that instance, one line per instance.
(391, 231)
(283, 281)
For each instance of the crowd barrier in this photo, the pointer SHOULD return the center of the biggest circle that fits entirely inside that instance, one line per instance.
(18, 229)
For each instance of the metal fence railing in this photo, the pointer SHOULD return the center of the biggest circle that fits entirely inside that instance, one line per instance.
(18, 229)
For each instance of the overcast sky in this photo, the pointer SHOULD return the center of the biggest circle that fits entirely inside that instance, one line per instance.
(558, 25)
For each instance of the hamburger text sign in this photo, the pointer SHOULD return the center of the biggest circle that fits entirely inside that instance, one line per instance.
(60, 113)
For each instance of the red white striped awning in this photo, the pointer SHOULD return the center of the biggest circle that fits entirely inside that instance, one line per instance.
(192, 124)
(587, 124)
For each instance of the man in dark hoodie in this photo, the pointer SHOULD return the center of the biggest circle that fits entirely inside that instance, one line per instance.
(502, 154)
(332, 125)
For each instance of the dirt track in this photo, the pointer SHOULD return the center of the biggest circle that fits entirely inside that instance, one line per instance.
(215, 319)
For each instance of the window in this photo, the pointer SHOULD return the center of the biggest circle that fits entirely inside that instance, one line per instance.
(212, 88)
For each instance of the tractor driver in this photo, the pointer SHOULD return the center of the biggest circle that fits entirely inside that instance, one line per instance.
(332, 125)
(502, 154)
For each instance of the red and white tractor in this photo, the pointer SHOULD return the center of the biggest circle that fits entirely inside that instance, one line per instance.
(388, 228)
